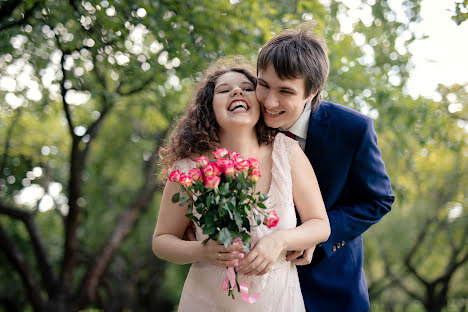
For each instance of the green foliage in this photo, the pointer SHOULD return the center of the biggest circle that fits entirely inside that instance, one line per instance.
(461, 11)
(142, 68)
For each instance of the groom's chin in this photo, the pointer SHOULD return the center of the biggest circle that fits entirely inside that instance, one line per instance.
(272, 123)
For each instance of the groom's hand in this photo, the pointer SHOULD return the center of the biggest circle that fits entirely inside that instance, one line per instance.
(295, 256)
(189, 234)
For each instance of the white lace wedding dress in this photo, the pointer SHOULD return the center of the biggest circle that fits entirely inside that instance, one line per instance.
(279, 289)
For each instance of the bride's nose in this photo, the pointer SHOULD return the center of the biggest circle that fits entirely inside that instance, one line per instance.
(237, 91)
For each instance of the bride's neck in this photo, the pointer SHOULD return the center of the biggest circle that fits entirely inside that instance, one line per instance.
(244, 142)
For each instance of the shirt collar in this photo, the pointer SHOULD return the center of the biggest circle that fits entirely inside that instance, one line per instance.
(299, 128)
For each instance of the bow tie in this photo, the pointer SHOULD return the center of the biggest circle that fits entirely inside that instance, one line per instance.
(290, 134)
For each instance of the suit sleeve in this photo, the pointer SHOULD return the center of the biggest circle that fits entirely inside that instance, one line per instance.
(367, 196)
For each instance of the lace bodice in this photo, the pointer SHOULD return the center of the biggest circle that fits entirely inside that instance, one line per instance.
(280, 290)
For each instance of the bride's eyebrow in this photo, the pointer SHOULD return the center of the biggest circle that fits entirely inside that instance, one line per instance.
(221, 85)
(247, 83)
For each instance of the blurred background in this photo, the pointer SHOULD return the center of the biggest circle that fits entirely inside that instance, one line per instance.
(89, 89)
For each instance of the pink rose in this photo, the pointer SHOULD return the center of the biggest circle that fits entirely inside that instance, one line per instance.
(230, 169)
(220, 153)
(222, 162)
(233, 156)
(271, 220)
(243, 166)
(174, 176)
(185, 180)
(238, 159)
(202, 161)
(253, 163)
(254, 175)
(196, 175)
(212, 182)
(212, 169)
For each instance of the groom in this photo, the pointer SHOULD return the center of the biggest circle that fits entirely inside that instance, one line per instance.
(341, 145)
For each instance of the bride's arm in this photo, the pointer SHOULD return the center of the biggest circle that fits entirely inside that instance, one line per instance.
(167, 238)
(314, 229)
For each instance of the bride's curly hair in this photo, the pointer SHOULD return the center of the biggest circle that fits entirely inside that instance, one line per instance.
(197, 132)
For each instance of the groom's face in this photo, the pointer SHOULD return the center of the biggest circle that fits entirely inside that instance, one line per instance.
(282, 100)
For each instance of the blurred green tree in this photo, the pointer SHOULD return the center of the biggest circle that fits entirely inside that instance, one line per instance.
(461, 11)
(91, 89)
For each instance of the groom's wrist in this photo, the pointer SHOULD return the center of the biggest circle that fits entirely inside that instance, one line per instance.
(319, 254)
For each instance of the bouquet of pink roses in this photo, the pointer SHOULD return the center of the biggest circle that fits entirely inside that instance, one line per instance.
(222, 192)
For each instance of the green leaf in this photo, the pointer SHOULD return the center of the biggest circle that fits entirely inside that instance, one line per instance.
(230, 213)
(176, 197)
(246, 238)
(209, 229)
(224, 189)
(263, 197)
(238, 219)
(209, 200)
(184, 198)
(200, 209)
(261, 205)
(258, 220)
(225, 237)
(191, 217)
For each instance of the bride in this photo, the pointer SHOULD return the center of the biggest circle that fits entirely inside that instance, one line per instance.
(225, 113)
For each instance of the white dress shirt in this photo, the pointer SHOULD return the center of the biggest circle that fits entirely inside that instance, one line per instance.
(300, 127)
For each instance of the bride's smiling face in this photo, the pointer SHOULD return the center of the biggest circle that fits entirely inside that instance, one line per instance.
(234, 102)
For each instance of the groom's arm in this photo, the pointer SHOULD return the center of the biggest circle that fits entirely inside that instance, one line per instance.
(368, 196)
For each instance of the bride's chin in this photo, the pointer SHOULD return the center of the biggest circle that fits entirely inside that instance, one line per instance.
(238, 126)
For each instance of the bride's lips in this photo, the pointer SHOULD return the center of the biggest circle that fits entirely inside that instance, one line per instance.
(231, 109)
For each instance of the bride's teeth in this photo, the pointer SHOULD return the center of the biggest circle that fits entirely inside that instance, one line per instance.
(238, 105)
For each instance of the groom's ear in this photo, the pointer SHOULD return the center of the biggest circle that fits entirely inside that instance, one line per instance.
(310, 97)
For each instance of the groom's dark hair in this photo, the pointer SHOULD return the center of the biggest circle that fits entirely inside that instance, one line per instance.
(298, 53)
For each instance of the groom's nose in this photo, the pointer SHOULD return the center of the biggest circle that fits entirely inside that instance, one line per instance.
(270, 101)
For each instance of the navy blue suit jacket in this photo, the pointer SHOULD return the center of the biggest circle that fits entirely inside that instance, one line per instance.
(342, 148)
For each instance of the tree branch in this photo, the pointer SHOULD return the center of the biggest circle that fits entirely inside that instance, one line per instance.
(26, 15)
(95, 126)
(408, 291)
(106, 107)
(47, 274)
(8, 7)
(16, 258)
(77, 163)
(90, 283)
(63, 91)
(8, 140)
(136, 89)
(415, 247)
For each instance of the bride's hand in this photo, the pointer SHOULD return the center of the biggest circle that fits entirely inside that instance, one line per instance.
(214, 253)
(262, 256)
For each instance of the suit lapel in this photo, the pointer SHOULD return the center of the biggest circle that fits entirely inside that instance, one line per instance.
(317, 131)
